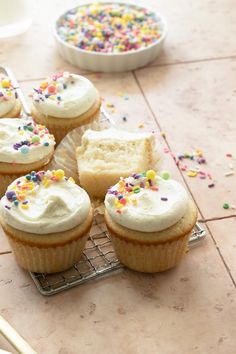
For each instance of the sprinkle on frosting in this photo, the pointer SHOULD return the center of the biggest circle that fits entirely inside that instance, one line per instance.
(26, 186)
(6, 88)
(51, 87)
(128, 187)
(24, 141)
(35, 134)
(7, 95)
(109, 28)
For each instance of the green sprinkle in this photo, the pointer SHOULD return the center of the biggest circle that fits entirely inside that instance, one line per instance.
(226, 206)
(137, 190)
(35, 139)
(165, 175)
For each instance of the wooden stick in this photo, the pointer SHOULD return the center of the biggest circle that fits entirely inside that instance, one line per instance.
(14, 338)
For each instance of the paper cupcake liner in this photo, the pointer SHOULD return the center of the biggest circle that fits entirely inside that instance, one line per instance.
(150, 258)
(48, 260)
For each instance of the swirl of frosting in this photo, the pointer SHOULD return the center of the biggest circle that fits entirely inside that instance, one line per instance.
(146, 202)
(64, 95)
(44, 202)
(23, 141)
(7, 95)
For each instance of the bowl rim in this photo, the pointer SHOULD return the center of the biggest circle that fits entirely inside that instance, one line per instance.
(127, 53)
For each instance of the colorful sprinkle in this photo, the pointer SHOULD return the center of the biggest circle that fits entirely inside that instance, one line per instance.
(127, 189)
(109, 28)
(25, 186)
(165, 175)
(226, 206)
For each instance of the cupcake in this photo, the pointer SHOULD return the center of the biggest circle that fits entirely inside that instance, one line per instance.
(64, 102)
(150, 219)
(24, 146)
(106, 155)
(46, 218)
(10, 105)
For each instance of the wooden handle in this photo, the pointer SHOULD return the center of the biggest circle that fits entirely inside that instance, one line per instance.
(14, 338)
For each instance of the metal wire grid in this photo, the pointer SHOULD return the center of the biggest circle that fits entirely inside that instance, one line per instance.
(98, 260)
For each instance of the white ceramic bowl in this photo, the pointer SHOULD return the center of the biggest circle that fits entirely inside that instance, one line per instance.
(111, 62)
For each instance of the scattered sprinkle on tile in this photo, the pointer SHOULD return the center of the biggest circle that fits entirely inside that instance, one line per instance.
(141, 125)
(124, 119)
(211, 185)
(229, 173)
(226, 205)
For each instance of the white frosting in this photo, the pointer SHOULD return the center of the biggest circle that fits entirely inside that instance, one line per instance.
(58, 207)
(7, 96)
(73, 96)
(13, 133)
(149, 213)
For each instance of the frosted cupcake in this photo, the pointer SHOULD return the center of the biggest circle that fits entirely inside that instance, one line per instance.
(46, 218)
(106, 155)
(24, 146)
(150, 220)
(64, 102)
(10, 105)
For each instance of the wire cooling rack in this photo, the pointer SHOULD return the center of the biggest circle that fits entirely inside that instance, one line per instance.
(98, 260)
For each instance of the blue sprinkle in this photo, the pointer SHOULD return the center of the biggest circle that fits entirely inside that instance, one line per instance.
(24, 149)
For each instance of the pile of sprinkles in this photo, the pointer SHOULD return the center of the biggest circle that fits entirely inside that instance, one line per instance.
(6, 89)
(51, 87)
(134, 184)
(34, 134)
(20, 192)
(109, 28)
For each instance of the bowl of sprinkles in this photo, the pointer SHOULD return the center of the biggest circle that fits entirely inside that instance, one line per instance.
(110, 36)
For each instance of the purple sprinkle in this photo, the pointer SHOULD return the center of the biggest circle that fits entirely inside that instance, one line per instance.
(10, 195)
(142, 184)
(164, 199)
(211, 185)
(25, 202)
(1, 94)
(7, 207)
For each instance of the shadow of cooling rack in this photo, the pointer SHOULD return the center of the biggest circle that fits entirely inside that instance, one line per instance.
(98, 260)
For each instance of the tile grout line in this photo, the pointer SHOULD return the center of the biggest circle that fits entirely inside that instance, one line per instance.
(221, 256)
(5, 252)
(216, 218)
(191, 61)
(210, 233)
(146, 67)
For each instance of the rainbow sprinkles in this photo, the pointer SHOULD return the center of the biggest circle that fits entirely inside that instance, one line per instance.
(126, 189)
(22, 189)
(109, 27)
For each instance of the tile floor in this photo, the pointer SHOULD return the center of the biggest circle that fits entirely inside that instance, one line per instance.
(189, 92)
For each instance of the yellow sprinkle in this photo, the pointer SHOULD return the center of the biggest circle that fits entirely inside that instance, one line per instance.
(110, 105)
(141, 125)
(43, 84)
(24, 206)
(21, 132)
(59, 174)
(5, 83)
(71, 179)
(46, 182)
(134, 201)
(199, 152)
(163, 134)
(192, 173)
(150, 174)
